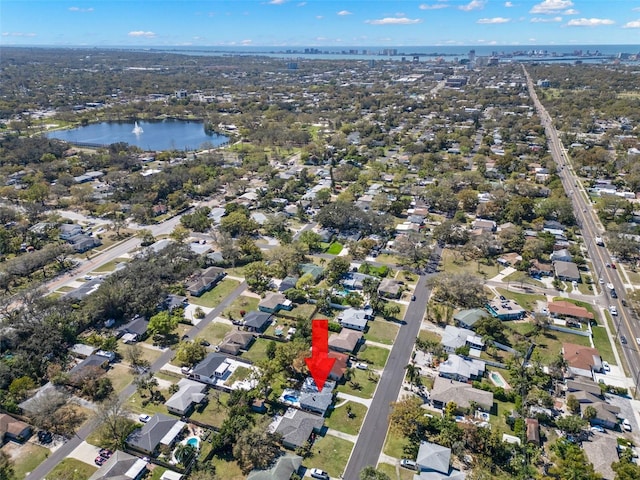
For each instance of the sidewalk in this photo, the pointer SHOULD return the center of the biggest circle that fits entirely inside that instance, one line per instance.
(352, 398)
(345, 436)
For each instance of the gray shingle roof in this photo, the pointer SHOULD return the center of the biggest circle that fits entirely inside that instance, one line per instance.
(155, 431)
(296, 426)
(121, 466)
(207, 367)
(190, 392)
(282, 469)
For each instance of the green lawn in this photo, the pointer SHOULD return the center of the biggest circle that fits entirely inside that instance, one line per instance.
(65, 289)
(109, 266)
(29, 458)
(148, 354)
(525, 300)
(522, 278)
(80, 469)
(303, 310)
(498, 421)
(213, 297)
(429, 336)
(334, 249)
(236, 271)
(239, 374)
(331, 453)
(549, 344)
(523, 328)
(229, 468)
(377, 356)
(367, 384)
(388, 259)
(338, 419)
(392, 471)
(603, 344)
(241, 303)
(215, 332)
(381, 331)
(257, 350)
(215, 412)
(157, 472)
(394, 444)
(452, 262)
(120, 376)
(135, 403)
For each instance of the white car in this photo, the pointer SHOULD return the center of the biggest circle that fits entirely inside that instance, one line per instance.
(638, 340)
(144, 418)
(613, 310)
(605, 366)
(601, 281)
(319, 474)
(626, 425)
(361, 366)
(406, 463)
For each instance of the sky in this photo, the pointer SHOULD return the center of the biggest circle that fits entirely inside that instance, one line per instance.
(333, 23)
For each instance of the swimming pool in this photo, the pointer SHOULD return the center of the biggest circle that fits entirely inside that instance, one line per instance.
(193, 441)
(497, 380)
(290, 398)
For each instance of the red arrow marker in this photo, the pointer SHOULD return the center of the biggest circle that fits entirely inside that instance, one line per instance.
(319, 363)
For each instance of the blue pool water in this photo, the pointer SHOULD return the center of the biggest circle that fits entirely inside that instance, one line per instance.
(193, 441)
(290, 398)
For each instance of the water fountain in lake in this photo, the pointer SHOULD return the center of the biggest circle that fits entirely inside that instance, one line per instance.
(137, 129)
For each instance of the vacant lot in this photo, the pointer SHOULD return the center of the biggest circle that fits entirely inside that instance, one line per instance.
(362, 384)
(25, 457)
(213, 297)
(215, 332)
(339, 418)
(80, 469)
(331, 454)
(243, 302)
(376, 356)
(381, 331)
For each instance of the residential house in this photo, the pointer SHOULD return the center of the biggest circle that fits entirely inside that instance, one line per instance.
(346, 341)
(454, 338)
(589, 394)
(159, 430)
(461, 368)
(434, 463)
(282, 469)
(505, 309)
(389, 288)
(274, 302)
(205, 281)
(235, 341)
(485, 225)
(256, 321)
(566, 271)
(159, 209)
(296, 427)
(533, 430)
(174, 301)
(355, 280)
(468, 318)
(562, 255)
(355, 318)
(213, 367)
(607, 415)
(189, 394)
(316, 271)
(463, 394)
(581, 361)
(135, 330)
(68, 230)
(314, 401)
(81, 350)
(87, 367)
(13, 429)
(339, 366)
(81, 243)
(562, 309)
(287, 283)
(540, 269)
(121, 466)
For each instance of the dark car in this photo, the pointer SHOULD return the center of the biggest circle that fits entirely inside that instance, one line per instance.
(413, 297)
(624, 302)
(100, 460)
(204, 343)
(45, 437)
(105, 453)
(623, 339)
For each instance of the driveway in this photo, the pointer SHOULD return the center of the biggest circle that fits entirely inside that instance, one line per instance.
(85, 452)
(601, 451)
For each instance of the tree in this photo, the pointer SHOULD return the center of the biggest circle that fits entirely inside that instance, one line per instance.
(190, 353)
(625, 468)
(6, 467)
(311, 239)
(570, 463)
(133, 355)
(391, 310)
(571, 424)
(238, 223)
(20, 386)
(589, 413)
(258, 276)
(184, 452)
(573, 404)
(163, 323)
(179, 234)
(370, 473)
(414, 249)
(146, 237)
(115, 424)
(256, 449)
(413, 372)
(406, 416)
(464, 290)
(337, 268)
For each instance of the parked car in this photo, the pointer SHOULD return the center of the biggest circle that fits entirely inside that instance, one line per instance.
(605, 366)
(406, 463)
(144, 418)
(413, 297)
(204, 343)
(319, 474)
(99, 460)
(105, 453)
(623, 339)
(597, 428)
(361, 366)
(626, 425)
(44, 436)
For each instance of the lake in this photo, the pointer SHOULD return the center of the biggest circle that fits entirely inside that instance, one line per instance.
(152, 135)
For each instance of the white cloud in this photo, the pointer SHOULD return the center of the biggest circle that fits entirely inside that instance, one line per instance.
(18, 34)
(319, 17)
(634, 24)
(436, 6)
(551, 6)
(589, 22)
(546, 19)
(246, 42)
(141, 33)
(473, 5)
(508, 4)
(571, 11)
(394, 21)
(82, 10)
(493, 20)
(342, 13)
(277, 2)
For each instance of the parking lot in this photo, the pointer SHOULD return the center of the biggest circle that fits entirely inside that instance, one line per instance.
(601, 451)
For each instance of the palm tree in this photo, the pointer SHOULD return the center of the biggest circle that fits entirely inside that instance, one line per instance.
(412, 372)
(184, 452)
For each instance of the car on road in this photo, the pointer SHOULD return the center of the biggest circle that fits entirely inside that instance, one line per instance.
(319, 474)
(413, 297)
(597, 428)
(144, 418)
(613, 310)
(624, 302)
(406, 463)
(623, 339)
(626, 425)
(638, 340)
(601, 281)
(361, 366)
(613, 265)
(605, 366)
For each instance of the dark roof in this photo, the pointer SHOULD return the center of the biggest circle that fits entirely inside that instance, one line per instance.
(137, 325)
(90, 361)
(296, 426)
(157, 429)
(287, 283)
(256, 319)
(282, 469)
(120, 466)
(207, 367)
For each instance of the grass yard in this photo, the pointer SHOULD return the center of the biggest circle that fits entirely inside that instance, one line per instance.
(257, 350)
(498, 421)
(332, 453)
(241, 303)
(228, 467)
(109, 266)
(549, 344)
(215, 412)
(148, 354)
(525, 300)
(80, 469)
(338, 418)
(25, 457)
(334, 249)
(388, 259)
(377, 356)
(523, 328)
(603, 344)
(65, 289)
(396, 472)
(215, 332)
(120, 376)
(239, 374)
(135, 403)
(367, 384)
(429, 336)
(522, 278)
(394, 444)
(584, 286)
(213, 297)
(381, 331)
(236, 271)
(157, 472)
(303, 310)
(453, 263)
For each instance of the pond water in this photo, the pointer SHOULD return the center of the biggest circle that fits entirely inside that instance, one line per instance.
(148, 135)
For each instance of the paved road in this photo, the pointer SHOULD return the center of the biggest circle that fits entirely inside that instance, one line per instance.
(63, 452)
(591, 228)
(372, 435)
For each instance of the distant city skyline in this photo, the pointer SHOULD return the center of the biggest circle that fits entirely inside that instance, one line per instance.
(293, 23)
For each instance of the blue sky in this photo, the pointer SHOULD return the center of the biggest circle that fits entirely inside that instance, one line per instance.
(318, 22)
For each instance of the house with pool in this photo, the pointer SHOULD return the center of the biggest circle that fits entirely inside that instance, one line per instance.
(309, 398)
(159, 430)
